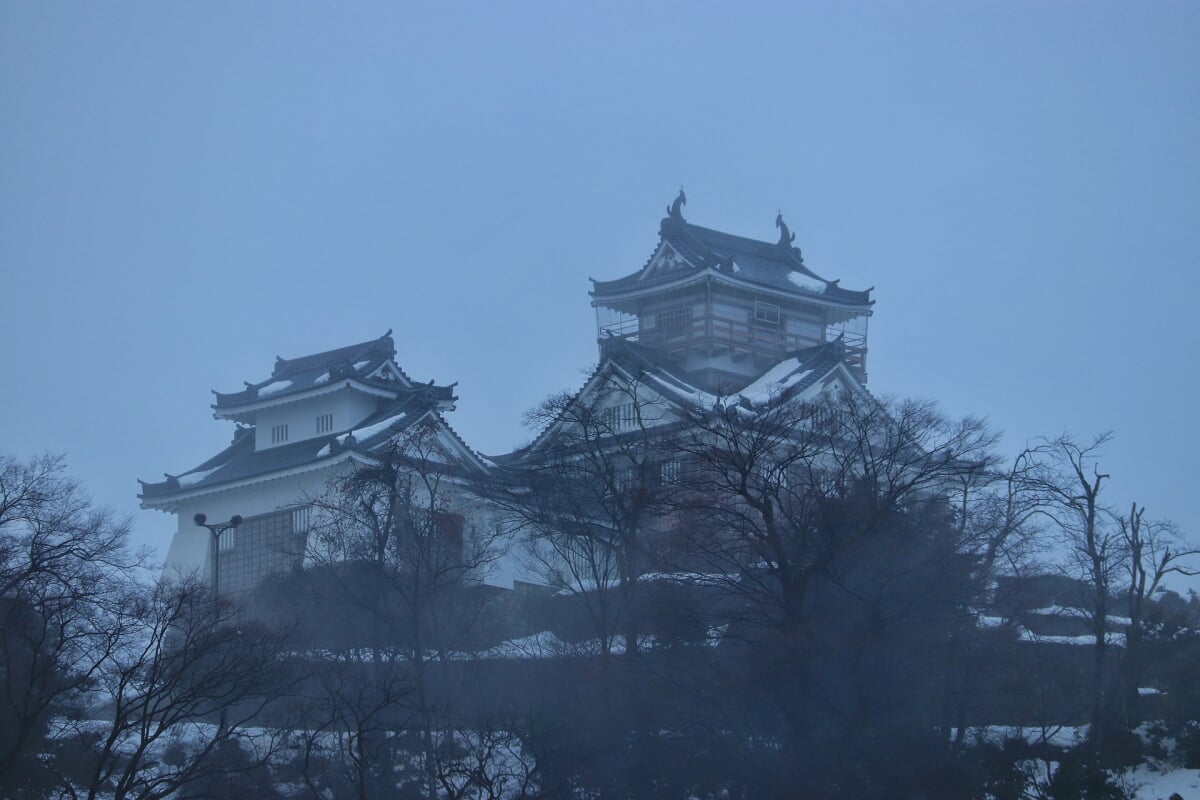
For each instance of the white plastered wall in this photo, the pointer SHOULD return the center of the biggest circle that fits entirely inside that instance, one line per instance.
(347, 406)
(190, 553)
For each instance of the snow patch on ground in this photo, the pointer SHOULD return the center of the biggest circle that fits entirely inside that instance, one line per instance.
(997, 735)
(1111, 639)
(1155, 783)
(1077, 613)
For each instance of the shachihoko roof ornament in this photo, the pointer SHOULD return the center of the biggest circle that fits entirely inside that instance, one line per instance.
(786, 237)
(675, 210)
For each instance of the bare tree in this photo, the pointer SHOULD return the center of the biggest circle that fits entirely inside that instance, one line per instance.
(348, 711)
(387, 538)
(787, 489)
(590, 494)
(184, 666)
(806, 512)
(1066, 474)
(1154, 550)
(998, 511)
(64, 565)
(483, 761)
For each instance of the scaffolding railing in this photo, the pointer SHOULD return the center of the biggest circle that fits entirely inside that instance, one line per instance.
(741, 335)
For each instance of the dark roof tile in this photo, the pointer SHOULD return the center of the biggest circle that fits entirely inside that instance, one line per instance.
(777, 266)
(297, 375)
(240, 461)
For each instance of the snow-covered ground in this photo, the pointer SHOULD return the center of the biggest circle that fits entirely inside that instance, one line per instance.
(1159, 783)
(1155, 779)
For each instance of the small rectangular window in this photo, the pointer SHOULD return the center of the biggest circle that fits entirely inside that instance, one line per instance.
(766, 313)
(227, 539)
(620, 417)
(669, 472)
(301, 518)
(325, 423)
(279, 434)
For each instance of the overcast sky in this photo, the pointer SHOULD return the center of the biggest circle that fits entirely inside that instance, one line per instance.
(189, 189)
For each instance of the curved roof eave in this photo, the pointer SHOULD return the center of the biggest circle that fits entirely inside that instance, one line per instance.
(234, 411)
(170, 502)
(709, 273)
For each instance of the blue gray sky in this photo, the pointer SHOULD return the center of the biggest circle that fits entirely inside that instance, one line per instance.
(189, 189)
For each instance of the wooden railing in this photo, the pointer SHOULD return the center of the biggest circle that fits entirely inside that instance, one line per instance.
(739, 334)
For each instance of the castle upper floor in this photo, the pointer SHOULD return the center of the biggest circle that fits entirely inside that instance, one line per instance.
(720, 308)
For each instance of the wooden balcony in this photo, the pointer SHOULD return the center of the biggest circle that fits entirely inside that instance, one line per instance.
(737, 336)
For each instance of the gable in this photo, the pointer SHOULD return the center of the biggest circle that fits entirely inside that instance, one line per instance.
(620, 400)
(666, 259)
(389, 372)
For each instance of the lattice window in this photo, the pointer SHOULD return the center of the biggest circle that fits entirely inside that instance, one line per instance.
(675, 322)
(324, 423)
(279, 434)
(301, 519)
(268, 544)
(619, 417)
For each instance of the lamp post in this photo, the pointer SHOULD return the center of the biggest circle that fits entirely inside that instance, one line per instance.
(216, 530)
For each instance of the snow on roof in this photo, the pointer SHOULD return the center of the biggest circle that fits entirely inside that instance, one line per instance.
(362, 434)
(688, 396)
(777, 380)
(806, 282)
(274, 387)
(192, 478)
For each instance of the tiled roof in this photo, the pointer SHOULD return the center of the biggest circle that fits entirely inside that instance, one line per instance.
(791, 376)
(297, 375)
(777, 266)
(796, 372)
(241, 462)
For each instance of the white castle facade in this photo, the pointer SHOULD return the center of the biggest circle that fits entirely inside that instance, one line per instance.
(709, 315)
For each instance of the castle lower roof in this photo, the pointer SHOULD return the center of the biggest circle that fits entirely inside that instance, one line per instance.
(790, 378)
(241, 463)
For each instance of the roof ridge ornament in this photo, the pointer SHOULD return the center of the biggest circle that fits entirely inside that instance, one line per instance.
(786, 237)
(675, 210)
